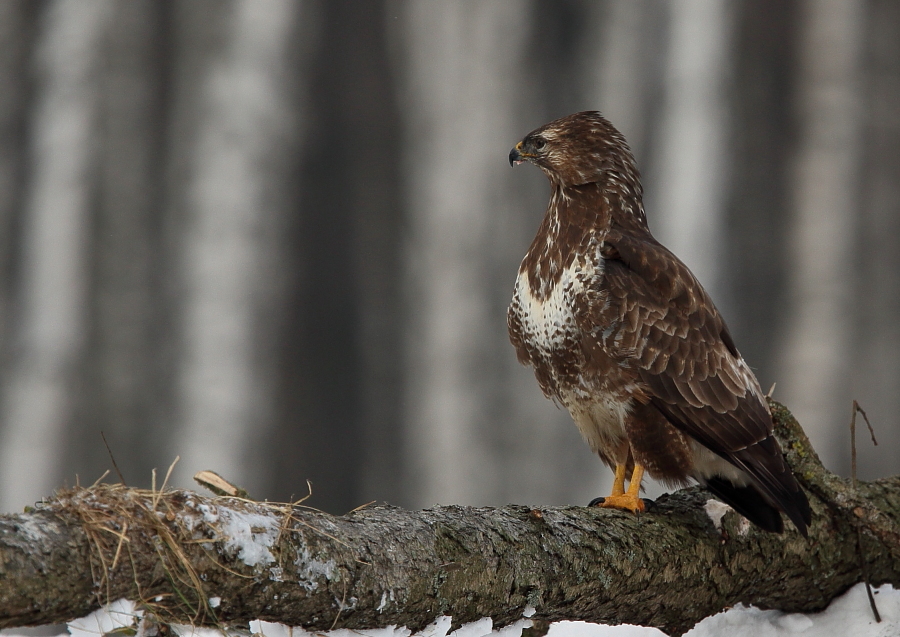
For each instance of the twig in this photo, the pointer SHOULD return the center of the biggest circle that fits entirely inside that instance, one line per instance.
(112, 459)
(342, 606)
(122, 539)
(165, 480)
(219, 485)
(98, 480)
(363, 506)
(863, 566)
(868, 424)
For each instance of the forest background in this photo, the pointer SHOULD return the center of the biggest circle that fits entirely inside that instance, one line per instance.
(277, 238)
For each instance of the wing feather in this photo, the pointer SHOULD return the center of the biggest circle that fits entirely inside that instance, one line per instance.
(663, 321)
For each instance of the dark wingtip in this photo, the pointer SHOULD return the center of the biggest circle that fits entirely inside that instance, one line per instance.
(800, 513)
(748, 502)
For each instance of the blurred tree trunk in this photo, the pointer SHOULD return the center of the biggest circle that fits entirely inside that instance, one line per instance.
(18, 27)
(538, 451)
(757, 208)
(821, 273)
(625, 69)
(240, 133)
(875, 353)
(341, 385)
(685, 196)
(51, 321)
(118, 388)
(477, 428)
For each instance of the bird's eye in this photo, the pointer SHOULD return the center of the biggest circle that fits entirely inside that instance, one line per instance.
(539, 144)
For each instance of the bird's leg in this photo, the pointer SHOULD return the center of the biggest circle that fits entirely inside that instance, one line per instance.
(618, 488)
(619, 482)
(626, 499)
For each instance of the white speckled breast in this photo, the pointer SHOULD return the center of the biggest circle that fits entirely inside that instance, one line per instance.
(549, 324)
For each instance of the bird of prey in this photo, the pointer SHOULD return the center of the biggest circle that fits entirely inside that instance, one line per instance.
(621, 333)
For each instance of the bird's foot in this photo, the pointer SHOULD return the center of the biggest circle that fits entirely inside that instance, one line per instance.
(627, 501)
(649, 504)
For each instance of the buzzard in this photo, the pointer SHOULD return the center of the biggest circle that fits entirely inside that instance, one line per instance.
(622, 334)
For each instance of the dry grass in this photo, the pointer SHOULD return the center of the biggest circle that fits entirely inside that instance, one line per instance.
(117, 519)
(113, 518)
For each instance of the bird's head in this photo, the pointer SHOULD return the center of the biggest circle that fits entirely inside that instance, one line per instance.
(577, 149)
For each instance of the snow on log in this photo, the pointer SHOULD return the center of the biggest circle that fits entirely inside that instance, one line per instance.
(175, 551)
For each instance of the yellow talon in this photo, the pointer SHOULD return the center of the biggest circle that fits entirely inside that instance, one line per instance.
(621, 499)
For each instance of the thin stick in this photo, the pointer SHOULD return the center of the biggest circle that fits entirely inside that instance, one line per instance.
(97, 481)
(865, 571)
(341, 607)
(122, 539)
(363, 506)
(863, 565)
(169, 472)
(853, 444)
(868, 424)
(112, 458)
(165, 480)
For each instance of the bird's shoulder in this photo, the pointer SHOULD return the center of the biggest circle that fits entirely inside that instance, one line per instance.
(652, 303)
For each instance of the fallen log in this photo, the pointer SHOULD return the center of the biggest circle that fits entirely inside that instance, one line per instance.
(188, 558)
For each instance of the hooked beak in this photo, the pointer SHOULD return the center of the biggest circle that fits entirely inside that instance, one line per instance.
(516, 156)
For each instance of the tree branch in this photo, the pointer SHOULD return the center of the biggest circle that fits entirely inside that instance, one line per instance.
(381, 565)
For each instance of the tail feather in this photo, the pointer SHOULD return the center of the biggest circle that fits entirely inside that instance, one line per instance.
(774, 481)
(749, 502)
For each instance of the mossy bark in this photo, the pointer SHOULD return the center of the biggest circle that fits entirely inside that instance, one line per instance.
(669, 567)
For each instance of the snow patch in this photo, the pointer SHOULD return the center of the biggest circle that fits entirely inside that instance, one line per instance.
(250, 535)
(586, 629)
(270, 629)
(795, 623)
(215, 602)
(310, 569)
(479, 628)
(37, 531)
(387, 597)
(390, 631)
(716, 511)
(210, 513)
(438, 628)
(514, 629)
(119, 614)
(847, 615)
(183, 630)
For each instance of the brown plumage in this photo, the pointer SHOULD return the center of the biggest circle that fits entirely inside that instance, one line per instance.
(622, 334)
